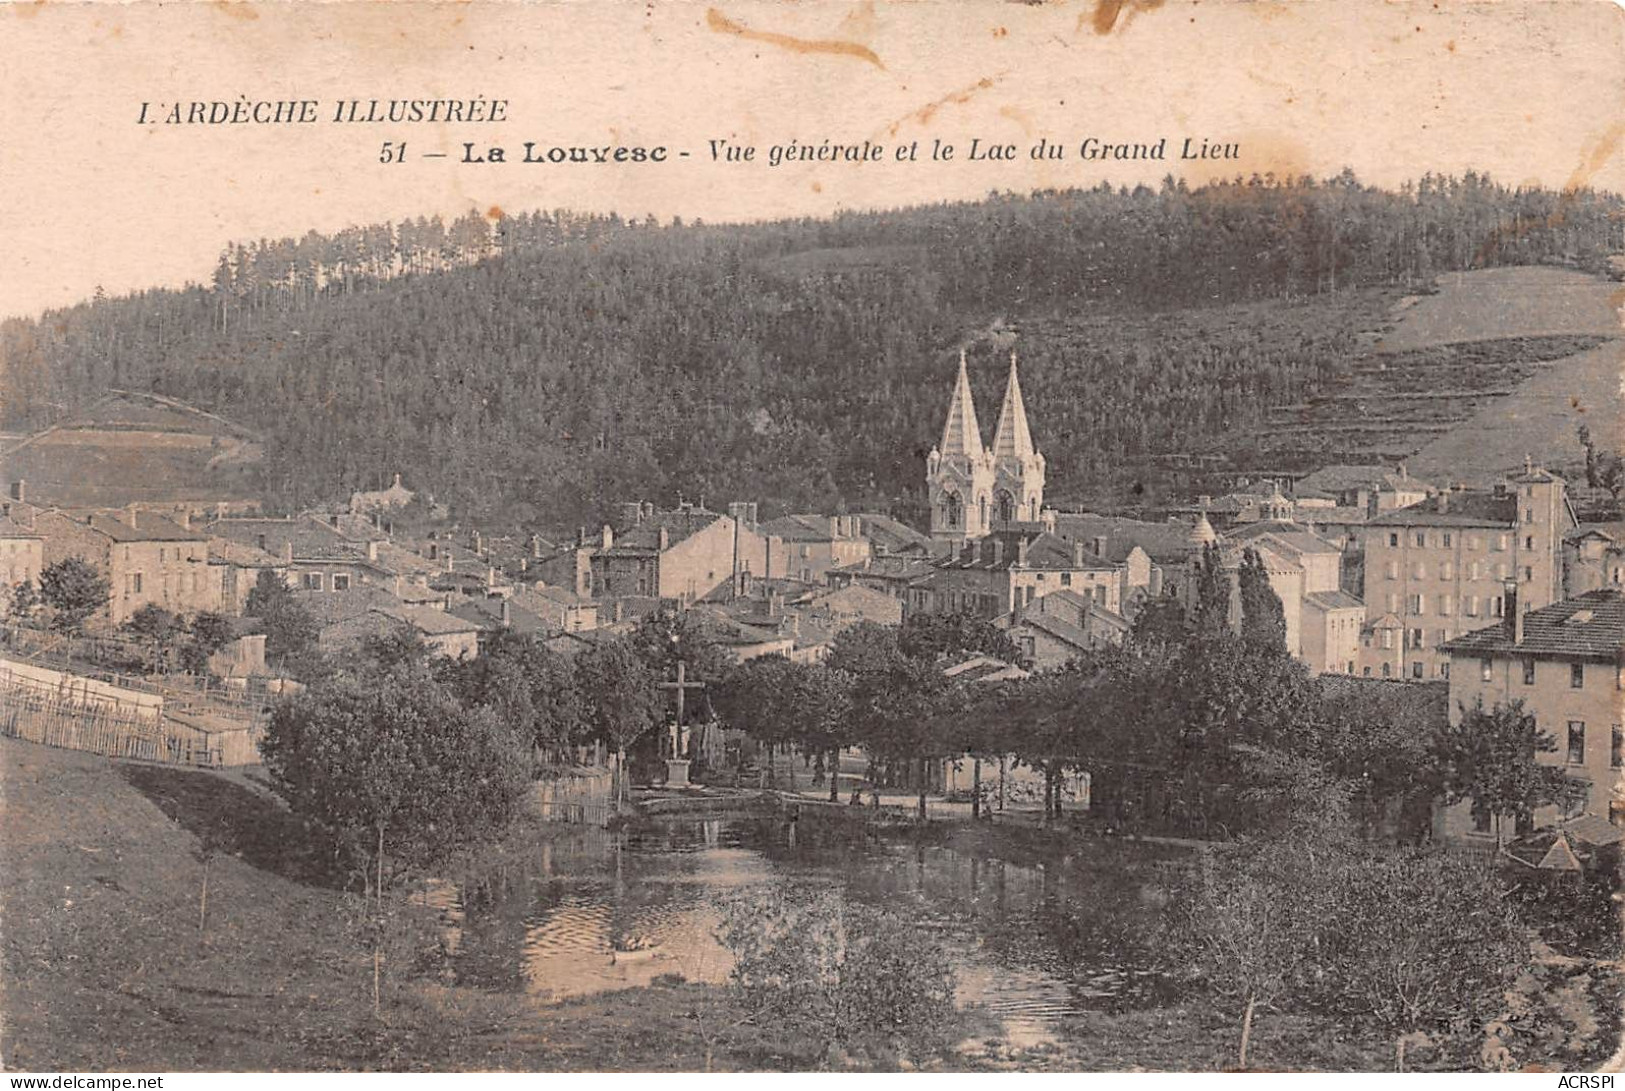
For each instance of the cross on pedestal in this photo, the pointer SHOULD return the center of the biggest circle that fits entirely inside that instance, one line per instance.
(682, 685)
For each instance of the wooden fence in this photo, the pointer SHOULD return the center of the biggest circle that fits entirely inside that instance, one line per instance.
(36, 715)
(581, 797)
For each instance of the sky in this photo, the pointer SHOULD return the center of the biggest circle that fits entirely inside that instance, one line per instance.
(1529, 92)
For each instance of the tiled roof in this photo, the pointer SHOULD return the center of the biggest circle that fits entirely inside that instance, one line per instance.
(1462, 508)
(1334, 600)
(10, 528)
(890, 536)
(1064, 631)
(228, 551)
(644, 536)
(311, 540)
(1162, 542)
(1333, 480)
(148, 528)
(1614, 531)
(487, 614)
(1296, 538)
(801, 528)
(1589, 626)
(432, 622)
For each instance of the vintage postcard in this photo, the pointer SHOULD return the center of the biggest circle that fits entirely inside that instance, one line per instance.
(884, 536)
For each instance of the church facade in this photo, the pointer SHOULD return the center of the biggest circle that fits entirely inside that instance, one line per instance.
(975, 490)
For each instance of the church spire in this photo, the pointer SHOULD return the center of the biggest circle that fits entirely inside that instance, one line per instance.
(961, 435)
(1012, 440)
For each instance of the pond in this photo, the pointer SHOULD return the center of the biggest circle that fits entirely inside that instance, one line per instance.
(1034, 942)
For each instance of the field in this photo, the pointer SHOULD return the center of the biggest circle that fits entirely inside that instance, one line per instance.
(130, 448)
(1496, 365)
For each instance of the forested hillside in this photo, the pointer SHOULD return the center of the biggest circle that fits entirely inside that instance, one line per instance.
(537, 370)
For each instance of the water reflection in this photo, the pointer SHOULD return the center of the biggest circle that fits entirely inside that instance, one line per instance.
(1036, 942)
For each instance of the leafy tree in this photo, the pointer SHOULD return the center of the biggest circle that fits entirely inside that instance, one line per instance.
(931, 636)
(159, 630)
(290, 631)
(74, 590)
(620, 699)
(1263, 620)
(777, 701)
(1162, 623)
(25, 601)
(525, 685)
(396, 771)
(1490, 757)
(1210, 615)
(209, 633)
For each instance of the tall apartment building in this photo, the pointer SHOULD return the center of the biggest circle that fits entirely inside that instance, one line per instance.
(1436, 569)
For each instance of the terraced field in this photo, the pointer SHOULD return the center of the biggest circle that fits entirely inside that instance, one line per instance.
(1497, 365)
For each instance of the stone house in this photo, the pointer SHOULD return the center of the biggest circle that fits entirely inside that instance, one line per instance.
(1438, 568)
(22, 554)
(996, 574)
(146, 559)
(680, 555)
(1566, 663)
(814, 544)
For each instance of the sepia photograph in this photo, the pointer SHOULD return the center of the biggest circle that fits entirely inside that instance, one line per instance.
(862, 537)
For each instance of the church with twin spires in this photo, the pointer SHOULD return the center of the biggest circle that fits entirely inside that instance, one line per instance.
(975, 490)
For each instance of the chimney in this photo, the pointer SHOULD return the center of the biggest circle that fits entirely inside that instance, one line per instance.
(618, 612)
(260, 539)
(449, 562)
(287, 551)
(648, 509)
(998, 552)
(130, 516)
(490, 576)
(1021, 551)
(631, 513)
(185, 519)
(1444, 501)
(372, 549)
(775, 603)
(1512, 622)
(1404, 474)
(19, 491)
(398, 584)
(1100, 545)
(476, 543)
(507, 615)
(1077, 554)
(835, 528)
(434, 551)
(665, 540)
(536, 543)
(606, 538)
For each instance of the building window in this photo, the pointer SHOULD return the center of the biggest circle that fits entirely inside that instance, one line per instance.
(1616, 747)
(1447, 539)
(1500, 543)
(1577, 676)
(1416, 638)
(1528, 672)
(1529, 515)
(1447, 570)
(135, 583)
(341, 581)
(1392, 570)
(1387, 670)
(1528, 574)
(1486, 669)
(1444, 606)
(1444, 670)
(1469, 605)
(1415, 606)
(1529, 542)
(1066, 579)
(1497, 605)
(1481, 820)
(1416, 671)
(1577, 742)
(1421, 539)
(312, 581)
(1388, 638)
(1393, 541)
